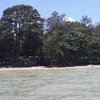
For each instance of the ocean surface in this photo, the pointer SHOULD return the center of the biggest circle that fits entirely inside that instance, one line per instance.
(52, 84)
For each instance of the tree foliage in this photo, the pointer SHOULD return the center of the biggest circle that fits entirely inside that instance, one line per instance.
(71, 43)
(24, 26)
(23, 34)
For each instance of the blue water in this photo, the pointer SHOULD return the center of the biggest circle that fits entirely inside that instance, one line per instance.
(63, 84)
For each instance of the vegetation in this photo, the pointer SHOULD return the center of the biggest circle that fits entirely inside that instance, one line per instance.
(25, 37)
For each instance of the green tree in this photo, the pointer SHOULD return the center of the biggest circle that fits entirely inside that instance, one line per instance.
(54, 21)
(86, 21)
(21, 20)
(7, 48)
(66, 43)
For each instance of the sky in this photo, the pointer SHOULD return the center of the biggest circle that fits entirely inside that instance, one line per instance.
(72, 8)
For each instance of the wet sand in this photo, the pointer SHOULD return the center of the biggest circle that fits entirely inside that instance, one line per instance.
(46, 68)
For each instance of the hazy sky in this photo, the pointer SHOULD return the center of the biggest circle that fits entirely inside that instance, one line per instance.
(72, 8)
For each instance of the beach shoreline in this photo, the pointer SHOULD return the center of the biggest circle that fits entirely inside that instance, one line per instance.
(46, 68)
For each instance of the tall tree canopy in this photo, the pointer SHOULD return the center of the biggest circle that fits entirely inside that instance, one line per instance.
(68, 43)
(23, 34)
(21, 22)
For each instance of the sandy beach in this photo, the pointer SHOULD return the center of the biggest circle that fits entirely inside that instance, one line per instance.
(46, 68)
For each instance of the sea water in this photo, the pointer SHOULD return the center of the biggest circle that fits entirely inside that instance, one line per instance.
(52, 84)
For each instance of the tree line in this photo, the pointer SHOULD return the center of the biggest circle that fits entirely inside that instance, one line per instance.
(26, 37)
